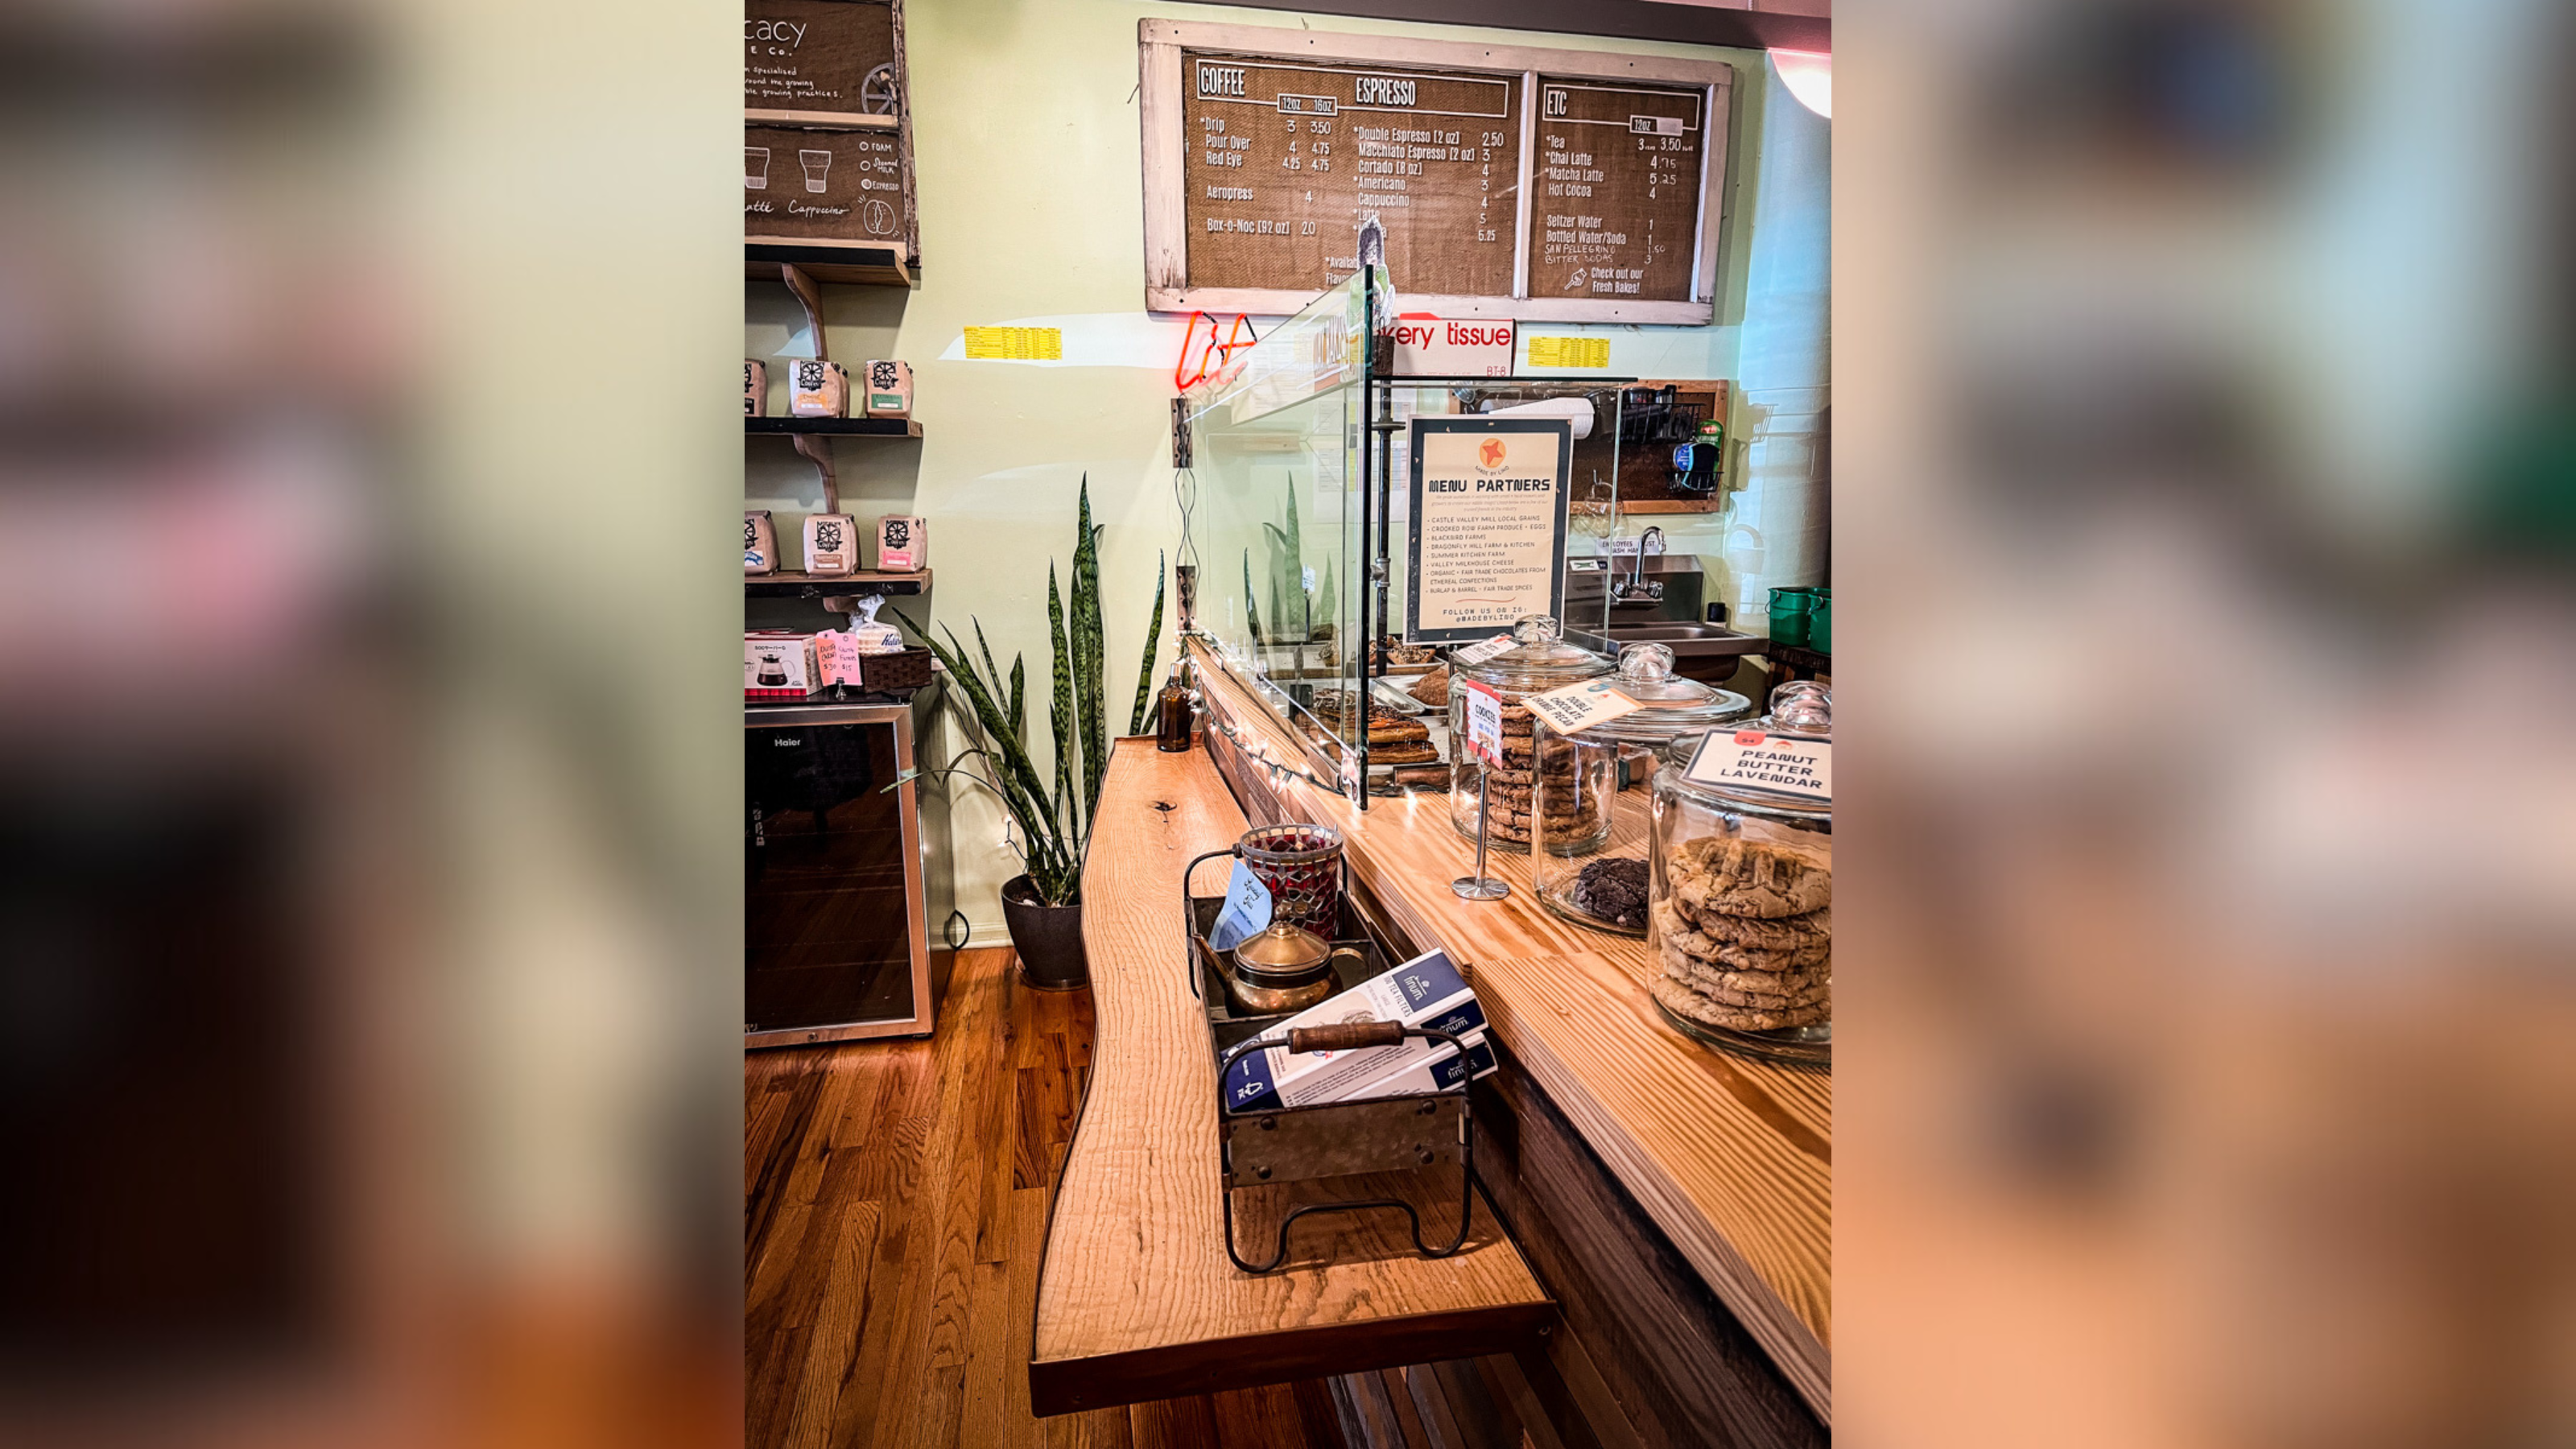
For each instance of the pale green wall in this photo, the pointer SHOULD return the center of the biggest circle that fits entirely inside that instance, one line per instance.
(1026, 150)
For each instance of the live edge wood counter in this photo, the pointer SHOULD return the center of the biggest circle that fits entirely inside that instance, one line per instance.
(1731, 1159)
(1136, 1298)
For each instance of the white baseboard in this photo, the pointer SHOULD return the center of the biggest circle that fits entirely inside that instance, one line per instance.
(981, 935)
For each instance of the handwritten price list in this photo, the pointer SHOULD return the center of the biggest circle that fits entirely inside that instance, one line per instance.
(1283, 162)
(1615, 192)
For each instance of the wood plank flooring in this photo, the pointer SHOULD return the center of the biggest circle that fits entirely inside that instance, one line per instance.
(894, 1208)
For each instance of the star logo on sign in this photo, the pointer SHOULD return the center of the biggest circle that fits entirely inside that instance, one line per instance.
(1489, 454)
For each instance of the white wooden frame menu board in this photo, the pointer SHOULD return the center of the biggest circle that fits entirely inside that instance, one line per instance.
(1513, 181)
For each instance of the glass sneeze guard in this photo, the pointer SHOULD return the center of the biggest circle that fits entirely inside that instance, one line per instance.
(1299, 451)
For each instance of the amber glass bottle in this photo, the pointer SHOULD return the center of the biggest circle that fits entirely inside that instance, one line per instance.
(1172, 715)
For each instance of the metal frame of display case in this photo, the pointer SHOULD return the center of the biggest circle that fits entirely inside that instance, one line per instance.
(1367, 366)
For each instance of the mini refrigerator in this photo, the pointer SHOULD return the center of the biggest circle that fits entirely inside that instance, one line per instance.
(837, 876)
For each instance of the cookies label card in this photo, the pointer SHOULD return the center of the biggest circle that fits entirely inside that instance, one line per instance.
(1580, 706)
(1479, 653)
(1484, 722)
(1801, 769)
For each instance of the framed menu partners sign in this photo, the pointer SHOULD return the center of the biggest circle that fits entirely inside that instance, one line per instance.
(1485, 545)
(1511, 181)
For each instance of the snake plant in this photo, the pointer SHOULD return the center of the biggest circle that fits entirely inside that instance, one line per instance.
(1053, 820)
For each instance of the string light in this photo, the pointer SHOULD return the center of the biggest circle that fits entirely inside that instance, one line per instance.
(1257, 750)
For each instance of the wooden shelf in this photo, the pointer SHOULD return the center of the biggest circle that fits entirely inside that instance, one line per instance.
(786, 584)
(832, 427)
(1136, 1299)
(859, 264)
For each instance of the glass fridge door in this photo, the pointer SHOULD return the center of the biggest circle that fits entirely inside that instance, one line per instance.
(828, 938)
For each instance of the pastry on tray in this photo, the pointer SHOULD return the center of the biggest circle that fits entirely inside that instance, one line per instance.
(1433, 688)
(1405, 752)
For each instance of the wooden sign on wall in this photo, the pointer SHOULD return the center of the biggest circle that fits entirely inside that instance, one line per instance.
(827, 141)
(819, 57)
(1511, 181)
(1284, 162)
(806, 182)
(1617, 182)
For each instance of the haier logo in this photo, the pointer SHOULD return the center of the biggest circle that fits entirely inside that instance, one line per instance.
(785, 742)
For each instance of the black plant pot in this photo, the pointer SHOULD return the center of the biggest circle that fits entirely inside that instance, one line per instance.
(1048, 938)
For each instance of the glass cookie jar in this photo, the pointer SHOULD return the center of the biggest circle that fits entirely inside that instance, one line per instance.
(1538, 661)
(1594, 790)
(1740, 909)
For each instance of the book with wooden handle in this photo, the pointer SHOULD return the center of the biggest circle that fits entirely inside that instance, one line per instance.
(1345, 1036)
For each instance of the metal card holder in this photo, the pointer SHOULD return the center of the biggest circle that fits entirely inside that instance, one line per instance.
(1415, 1133)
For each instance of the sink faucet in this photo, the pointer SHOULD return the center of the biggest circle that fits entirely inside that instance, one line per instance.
(1635, 586)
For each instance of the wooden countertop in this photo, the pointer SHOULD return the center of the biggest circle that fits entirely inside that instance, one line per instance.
(1136, 1297)
(1733, 1159)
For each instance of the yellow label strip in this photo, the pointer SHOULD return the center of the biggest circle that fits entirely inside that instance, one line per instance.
(1569, 352)
(1015, 344)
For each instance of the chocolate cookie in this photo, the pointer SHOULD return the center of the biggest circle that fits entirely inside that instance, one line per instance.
(1737, 875)
(1612, 889)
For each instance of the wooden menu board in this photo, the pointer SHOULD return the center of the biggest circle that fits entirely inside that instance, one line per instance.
(1546, 185)
(1617, 183)
(808, 183)
(1285, 162)
(820, 57)
(827, 141)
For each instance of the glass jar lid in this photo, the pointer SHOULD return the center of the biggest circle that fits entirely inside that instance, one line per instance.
(1802, 707)
(1671, 705)
(1540, 660)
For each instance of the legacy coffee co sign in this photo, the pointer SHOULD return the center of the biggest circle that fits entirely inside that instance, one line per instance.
(826, 147)
(832, 57)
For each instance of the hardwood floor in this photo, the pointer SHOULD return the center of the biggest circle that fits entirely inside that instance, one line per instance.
(894, 1207)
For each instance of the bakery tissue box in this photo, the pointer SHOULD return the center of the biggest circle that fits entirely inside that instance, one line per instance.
(755, 388)
(779, 664)
(821, 389)
(831, 543)
(889, 391)
(903, 544)
(1426, 991)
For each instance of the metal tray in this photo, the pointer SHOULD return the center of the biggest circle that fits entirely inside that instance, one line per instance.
(1418, 1132)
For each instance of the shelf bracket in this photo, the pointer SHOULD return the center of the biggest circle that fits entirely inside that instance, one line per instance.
(819, 449)
(810, 297)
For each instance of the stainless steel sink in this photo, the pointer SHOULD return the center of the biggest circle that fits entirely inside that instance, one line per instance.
(1705, 652)
(1683, 638)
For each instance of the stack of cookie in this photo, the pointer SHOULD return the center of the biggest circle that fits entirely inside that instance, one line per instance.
(1746, 934)
(1393, 739)
(1571, 814)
